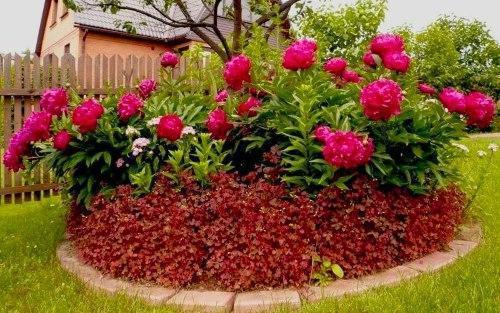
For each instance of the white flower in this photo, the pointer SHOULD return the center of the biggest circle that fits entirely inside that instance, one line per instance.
(131, 131)
(461, 147)
(446, 110)
(481, 153)
(119, 163)
(153, 122)
(493, 147)
(139, 144)
(188, 130)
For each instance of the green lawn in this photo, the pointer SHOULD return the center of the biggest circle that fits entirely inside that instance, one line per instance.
(31, 279)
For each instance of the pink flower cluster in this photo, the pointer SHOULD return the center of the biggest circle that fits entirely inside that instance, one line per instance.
(54, 101)
(426, 89)
(62, 140)
(390, 48)
(86, 115)
(129, 106)
(381, 99)
(338, 68)
(169, 59)
(344, 149)
(453, 100)
(170, 127)
(146, 88)
(218, 124)
(237, 71)
(221, 96)
(35, 128)
(300, 55)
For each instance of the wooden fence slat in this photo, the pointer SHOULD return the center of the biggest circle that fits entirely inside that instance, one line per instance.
(81, 72)
(7, 122)
(27, 72)
(120, 74)
(149, 67)
(142, 68)
(7, 82)
(18, 121)
(36, 73)
(97, 72)
(105, 70)
(18, 72)
(54, 71)
(46, 72)
(88, 72)
(112, 72)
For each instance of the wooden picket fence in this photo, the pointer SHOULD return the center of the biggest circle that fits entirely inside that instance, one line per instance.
(24, 78)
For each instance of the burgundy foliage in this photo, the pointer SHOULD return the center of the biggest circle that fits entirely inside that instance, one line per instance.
(250, 232)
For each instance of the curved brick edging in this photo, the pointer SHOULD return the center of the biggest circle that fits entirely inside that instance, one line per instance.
(258, 301)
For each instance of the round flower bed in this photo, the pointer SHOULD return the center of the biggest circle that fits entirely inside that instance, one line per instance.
(280, 171)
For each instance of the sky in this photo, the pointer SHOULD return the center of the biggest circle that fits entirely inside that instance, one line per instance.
(20, 19)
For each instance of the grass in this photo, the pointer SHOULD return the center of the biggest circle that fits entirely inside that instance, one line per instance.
(31, 279)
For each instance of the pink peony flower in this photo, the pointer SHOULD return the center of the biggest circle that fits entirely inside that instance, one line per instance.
(18, 146)
(237, 71)
(453, 100)
(369, 60)
(128, 106)
(426, 89)
(300, 55)
(385, 43)
(170, 127)
(397, 61)
(147, 87)
(54, 101)
(351, 77)
(249, 107)
(221, 96)
(480, 109)
(62, 140)
(381, 99)
(37, 125)
(322, 133)
(86, 115)
(347, 150)
(169, 59)
(335, 66)
(218, 124)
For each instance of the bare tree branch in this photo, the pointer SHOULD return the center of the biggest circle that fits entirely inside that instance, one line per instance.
(238, 19)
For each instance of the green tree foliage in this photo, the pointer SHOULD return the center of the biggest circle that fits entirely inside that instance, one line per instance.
(344, 31)
(457, 52)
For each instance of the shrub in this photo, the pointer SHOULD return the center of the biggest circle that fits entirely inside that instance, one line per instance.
(245, 233)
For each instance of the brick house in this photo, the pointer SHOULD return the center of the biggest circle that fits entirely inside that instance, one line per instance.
(94, 32)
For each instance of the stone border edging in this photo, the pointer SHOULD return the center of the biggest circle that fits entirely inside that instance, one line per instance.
(486, 135)
(257, 301)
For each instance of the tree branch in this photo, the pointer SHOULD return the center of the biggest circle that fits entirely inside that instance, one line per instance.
(238, 20)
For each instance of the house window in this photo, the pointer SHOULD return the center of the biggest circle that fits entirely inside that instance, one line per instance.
(67, 48)
(54, 11)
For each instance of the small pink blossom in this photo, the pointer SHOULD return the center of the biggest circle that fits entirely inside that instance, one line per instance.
(369, 59)
(86, 115)
(249, 107)
(480, 109)
(62, 140)
(351, 77)
(300, 55)
(453, 100)
(381, 99)
(169, 59)
(237, 72)
(335, 66)
(396, 61)
(129, 106)
(322, 133)
(54, 101)
(385, 43)
(218, 124)
(170, 127)
(221, 96)
(426, 89)
(147, 87)
(347, 150)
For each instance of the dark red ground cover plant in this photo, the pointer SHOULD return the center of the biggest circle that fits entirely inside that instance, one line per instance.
(244, 233)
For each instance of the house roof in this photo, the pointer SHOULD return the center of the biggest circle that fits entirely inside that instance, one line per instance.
(94, 18)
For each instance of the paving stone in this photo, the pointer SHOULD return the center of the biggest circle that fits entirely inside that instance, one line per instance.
(108, 285)
(203, 301)
(462, 247)
(262, 301)
(388, 277)
(152, 294)
(470, 232)
(337, 288)
(432, 262)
